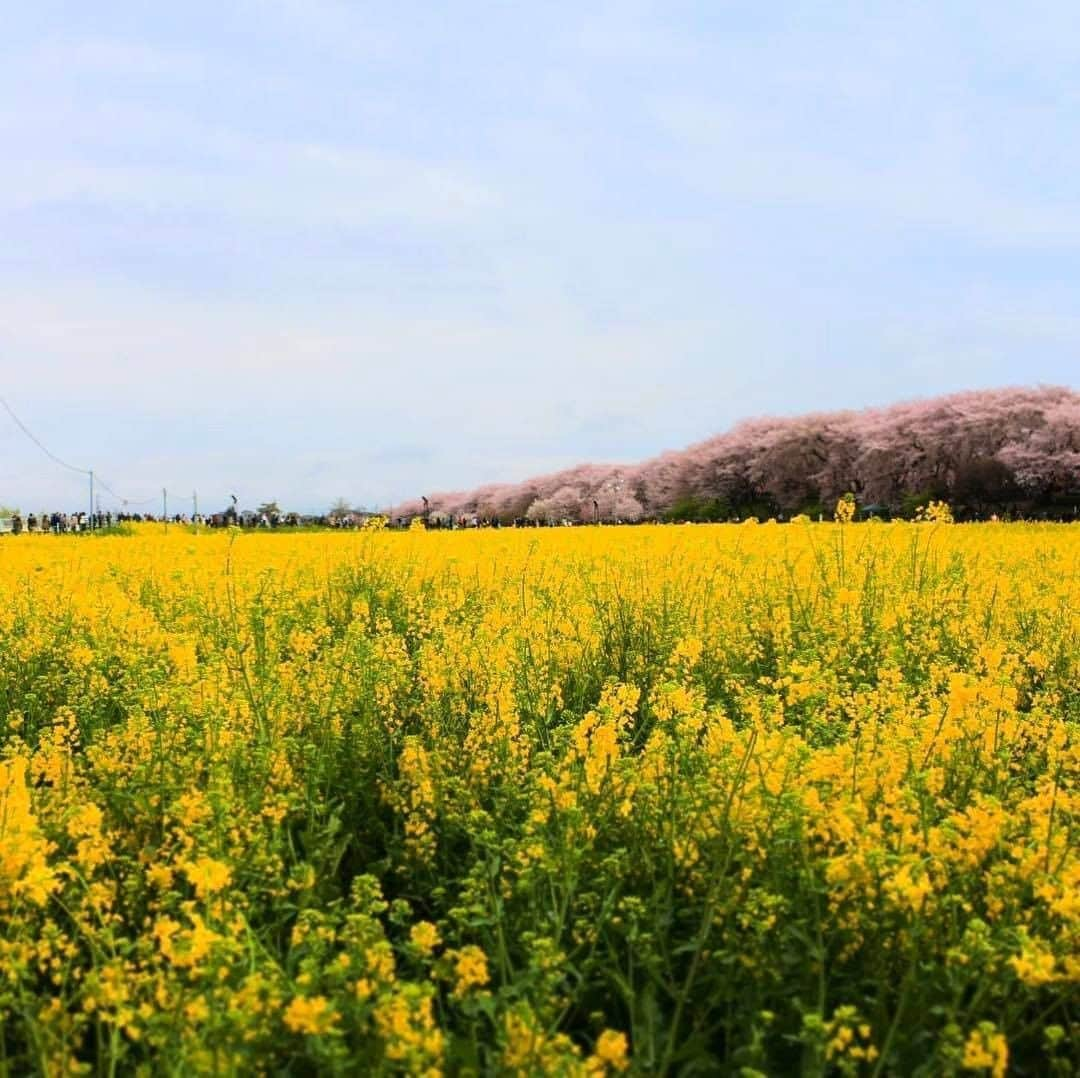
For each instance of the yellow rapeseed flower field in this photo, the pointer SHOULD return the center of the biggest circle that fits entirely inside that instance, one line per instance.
(737, 799)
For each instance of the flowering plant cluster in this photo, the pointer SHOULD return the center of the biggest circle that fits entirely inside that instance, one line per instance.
(744, 800)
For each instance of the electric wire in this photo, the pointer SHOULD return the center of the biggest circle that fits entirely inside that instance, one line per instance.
(98, 481)
(30, 434)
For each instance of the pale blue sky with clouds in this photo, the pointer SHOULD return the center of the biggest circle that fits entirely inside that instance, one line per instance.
(302, 249)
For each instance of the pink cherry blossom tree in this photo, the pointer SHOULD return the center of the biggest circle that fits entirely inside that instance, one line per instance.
(986, 451)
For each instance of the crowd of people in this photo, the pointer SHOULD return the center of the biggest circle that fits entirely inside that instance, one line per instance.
(14, 523)
(57, 523)
(61, 523)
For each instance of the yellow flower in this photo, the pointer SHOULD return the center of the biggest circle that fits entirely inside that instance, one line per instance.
(85, 821)
(611, 1048)
(406, 1023)
(200, 941)
(593, 708)
(24, 867)
(310, 1014)
(165, 928)
(986, 1049)
(207, 876)
(470, 969)
(1035, 965)
(160, 876)
(845, 509)
(424, 936)
(197, 1010)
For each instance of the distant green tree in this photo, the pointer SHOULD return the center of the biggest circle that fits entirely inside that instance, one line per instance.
(700, 510)
(340, 509)
(911, 503)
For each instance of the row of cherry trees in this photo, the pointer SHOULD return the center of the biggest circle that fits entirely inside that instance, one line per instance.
(1009, 451)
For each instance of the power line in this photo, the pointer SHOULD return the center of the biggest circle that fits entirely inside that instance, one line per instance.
(30, 434)
(126, 501)
(94, 479)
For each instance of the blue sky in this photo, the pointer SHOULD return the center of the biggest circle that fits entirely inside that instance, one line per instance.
(301, 249)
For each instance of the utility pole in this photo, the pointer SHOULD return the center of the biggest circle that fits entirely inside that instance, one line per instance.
(91, 499)
(195, 509)
(165, 508)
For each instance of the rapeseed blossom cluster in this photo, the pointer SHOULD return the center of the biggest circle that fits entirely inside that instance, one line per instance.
(740, 799)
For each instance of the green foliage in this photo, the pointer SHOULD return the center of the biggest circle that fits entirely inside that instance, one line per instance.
(699, 510)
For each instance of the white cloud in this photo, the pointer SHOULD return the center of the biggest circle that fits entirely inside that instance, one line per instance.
(233, 175)
(723, 153)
